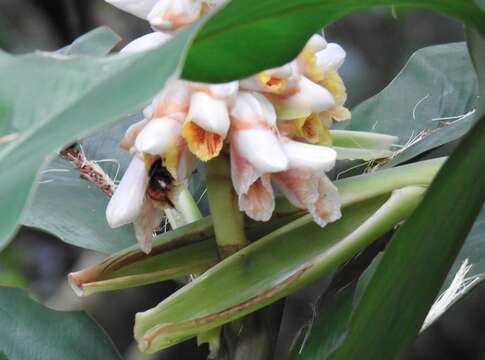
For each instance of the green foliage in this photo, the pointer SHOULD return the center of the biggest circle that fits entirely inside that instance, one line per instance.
(411, 272)
(263, 272)
(29, 330)
(431, 102)
(274, 31)
(68, 97)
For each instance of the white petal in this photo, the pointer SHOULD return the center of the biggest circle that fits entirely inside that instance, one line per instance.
(131, 133)
(308, 156)
(252, 107)
(258, 202)
(158, 136)
(262, 149)
(288, 73)
(243, 174)
(146, 42)
(332, 57)
(224, 90)
(128, 198)
(173, 98)
(186, 164)
(170, 14)
(139, 8)
(209, 113)
(316, 43)
(327, 207)
(309, 99)
(145, 224)
(300, 186)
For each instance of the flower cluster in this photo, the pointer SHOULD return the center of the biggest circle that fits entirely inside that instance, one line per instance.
(274, 125)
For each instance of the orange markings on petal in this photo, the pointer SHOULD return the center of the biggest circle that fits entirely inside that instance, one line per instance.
(203, 144)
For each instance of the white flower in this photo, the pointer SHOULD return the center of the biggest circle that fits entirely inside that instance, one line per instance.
(207, 122)
(309, 98)
(139, 8)
(332, 57)
(146, 42)
(173, 14)
(127, 201)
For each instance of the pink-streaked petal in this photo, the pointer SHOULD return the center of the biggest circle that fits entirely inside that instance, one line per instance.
(174, 98)
(252, 109)
(172, 14)
(146, 42)
(145, 224)
(258, 202)
(327, 207)
(300, 186)
(243, 174)
(128, 198)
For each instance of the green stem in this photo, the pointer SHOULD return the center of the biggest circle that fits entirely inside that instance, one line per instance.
(361, 139)
(228, 220)
(187, 206)
(183, 315)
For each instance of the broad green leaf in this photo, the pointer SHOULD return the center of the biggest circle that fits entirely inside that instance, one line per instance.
(68, 97)
(72, 208)
(28, 330)
(185, 250)
(257, 35)
(97, 42)
(263, 272)
(432, 101)
(412, 270)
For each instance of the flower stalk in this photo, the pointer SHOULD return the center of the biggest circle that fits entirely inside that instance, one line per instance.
(227, 218)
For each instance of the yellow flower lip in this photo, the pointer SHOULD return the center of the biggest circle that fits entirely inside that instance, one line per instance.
(204, 144)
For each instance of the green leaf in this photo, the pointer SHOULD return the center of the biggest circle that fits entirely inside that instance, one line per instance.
(68, 97)
(74, 210)
(326, 332)
(438, 82)
(97, 42)
(247, 36)
(412, 270)
(64, 203)
(263, 272)
(31, 331)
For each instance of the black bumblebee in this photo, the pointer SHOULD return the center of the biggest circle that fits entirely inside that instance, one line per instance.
(161, 185)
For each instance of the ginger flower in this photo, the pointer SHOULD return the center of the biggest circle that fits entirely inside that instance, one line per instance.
(273, 124)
